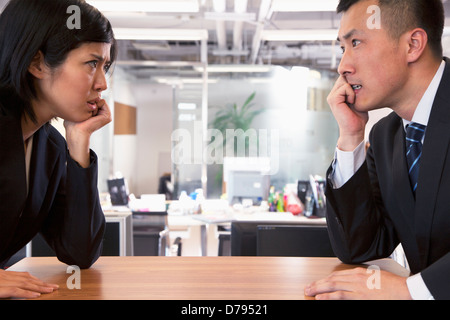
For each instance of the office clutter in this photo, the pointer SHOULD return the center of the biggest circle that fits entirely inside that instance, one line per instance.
(307, 197)
(118, 191)
(166, 186)
(314, 193)
(195, 203)
(285, 201)
(188, 204)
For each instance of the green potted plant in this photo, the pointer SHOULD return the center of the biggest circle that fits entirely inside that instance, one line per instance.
(231, 116)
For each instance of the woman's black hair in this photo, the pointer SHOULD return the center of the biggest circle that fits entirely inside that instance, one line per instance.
(30, 26)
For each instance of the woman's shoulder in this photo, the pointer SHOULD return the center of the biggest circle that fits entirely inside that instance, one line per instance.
(55, 136)
(10, 104)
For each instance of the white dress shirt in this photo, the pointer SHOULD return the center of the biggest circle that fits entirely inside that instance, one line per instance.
(347, 163)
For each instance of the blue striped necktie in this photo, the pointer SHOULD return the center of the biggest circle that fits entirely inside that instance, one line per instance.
(414, 135)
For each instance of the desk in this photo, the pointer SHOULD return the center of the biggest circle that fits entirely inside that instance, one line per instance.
(190, 278)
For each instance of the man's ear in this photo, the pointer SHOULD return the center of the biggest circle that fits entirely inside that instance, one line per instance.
(37, 66)
(417, 42)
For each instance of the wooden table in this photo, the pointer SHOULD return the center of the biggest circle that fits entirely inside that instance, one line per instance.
(190, 278)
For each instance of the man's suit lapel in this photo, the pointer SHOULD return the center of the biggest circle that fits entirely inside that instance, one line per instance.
(400, 178)
(405, 197)
(435, 150)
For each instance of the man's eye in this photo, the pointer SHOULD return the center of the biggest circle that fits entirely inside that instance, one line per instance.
(355, 42)
(343, 49)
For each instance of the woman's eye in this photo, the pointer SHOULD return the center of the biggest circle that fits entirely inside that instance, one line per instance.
(93, 63)
(106, 68)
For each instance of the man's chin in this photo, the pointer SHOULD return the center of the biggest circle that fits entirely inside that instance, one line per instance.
(362, 107)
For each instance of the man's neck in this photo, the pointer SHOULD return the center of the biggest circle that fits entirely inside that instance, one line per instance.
(419, 79)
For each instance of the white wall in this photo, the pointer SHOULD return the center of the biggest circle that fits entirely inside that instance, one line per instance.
(154, 129)
(124, 146)
(374, 117)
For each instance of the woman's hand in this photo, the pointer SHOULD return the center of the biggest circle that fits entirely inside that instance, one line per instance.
(78, 134)
(22, 285)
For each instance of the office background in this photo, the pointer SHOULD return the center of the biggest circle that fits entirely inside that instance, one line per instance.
(182, 61)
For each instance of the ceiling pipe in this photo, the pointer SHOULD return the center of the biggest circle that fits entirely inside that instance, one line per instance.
(221, 31)
(240, 6)
(264, 10)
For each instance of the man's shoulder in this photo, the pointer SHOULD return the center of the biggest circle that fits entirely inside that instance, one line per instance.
(392, 120)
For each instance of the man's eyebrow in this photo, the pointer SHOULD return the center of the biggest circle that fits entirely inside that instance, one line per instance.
(348, 34)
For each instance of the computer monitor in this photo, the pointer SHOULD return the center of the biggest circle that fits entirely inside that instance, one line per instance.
(247, 178)
(243, 185)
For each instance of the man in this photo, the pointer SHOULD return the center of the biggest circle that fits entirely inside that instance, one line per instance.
(397, 193)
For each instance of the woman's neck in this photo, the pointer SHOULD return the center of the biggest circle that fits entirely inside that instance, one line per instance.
(29, 127)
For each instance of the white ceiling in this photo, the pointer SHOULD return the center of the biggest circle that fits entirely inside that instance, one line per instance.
(232, 37)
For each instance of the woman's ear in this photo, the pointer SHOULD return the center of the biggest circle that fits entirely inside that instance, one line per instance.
(37, 66)
(417, 41)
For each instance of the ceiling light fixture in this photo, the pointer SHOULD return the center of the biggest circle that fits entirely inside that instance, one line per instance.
(300, 35)
(160, 34)
(235, 68)
(304, 5)
(146, 6)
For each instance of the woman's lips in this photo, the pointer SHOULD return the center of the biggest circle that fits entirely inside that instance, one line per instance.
(93, 104)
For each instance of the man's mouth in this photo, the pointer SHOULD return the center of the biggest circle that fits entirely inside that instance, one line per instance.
(356, 87)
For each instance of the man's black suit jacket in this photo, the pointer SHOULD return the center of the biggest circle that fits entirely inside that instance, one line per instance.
(62, 201)
(376, 210)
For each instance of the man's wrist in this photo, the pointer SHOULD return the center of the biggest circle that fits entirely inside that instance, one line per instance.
(349, 143)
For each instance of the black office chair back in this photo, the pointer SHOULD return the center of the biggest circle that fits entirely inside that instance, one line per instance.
(293, 241)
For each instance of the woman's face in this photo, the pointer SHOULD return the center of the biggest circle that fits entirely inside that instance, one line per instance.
(71, 90)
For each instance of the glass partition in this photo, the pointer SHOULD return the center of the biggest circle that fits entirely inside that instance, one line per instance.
(285, 117)
(269, 111)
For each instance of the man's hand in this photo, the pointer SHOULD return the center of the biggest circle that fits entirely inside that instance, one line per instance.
(356, 284)
(351, 123)
(22, 285)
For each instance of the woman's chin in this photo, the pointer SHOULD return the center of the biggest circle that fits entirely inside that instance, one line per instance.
(77, 118)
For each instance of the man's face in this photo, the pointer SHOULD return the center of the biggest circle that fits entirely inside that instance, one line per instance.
(373, 63)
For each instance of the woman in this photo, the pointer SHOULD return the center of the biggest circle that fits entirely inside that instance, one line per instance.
(48, 184)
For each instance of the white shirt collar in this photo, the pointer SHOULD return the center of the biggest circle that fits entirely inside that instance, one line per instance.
(423, 111)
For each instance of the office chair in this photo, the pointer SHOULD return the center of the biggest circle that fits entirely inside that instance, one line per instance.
(151, 235)
(293, 241)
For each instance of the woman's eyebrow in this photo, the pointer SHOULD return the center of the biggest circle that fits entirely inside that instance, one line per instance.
(99, 58)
